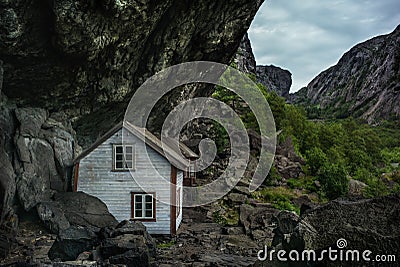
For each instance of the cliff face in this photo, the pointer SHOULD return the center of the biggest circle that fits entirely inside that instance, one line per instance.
(365, 83)
(275, 79)
(244, 57)
(83, 56)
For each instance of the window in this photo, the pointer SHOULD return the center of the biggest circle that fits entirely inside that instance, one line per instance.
(143, 206)
(123, 156)
(191, 170)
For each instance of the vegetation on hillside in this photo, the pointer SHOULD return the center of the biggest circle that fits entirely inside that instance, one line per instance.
(335, 151)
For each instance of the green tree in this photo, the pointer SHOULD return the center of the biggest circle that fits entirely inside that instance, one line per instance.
(316, 158)
(333, 179)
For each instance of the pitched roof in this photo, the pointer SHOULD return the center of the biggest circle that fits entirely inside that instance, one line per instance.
(166, 149)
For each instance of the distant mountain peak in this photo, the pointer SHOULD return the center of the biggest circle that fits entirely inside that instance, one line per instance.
(365, 83)
(275, 79)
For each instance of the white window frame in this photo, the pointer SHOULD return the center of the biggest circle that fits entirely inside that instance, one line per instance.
(124, 156)
(191, 169)
(143, 208)
(178, 201)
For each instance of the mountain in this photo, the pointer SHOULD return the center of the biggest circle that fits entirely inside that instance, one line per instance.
(365, 83)
(274, 78)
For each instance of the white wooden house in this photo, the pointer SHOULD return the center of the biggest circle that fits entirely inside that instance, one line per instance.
(117, 170)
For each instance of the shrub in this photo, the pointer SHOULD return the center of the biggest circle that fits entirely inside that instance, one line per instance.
(295, 183)
(333, 179)
(307, 183)
(316, 158)
(363, 175)
(376, 188)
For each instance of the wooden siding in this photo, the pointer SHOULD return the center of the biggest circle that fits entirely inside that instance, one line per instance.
(179, 184)
(114, 188)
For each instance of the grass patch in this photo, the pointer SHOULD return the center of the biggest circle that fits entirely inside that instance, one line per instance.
(167, 244)
(279, 197)
(307, 183)
(225, 217)
(218, 218)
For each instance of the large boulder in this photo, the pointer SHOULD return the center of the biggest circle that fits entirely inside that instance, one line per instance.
(287, 162)
(128, 243)
(258, 222)
(75, 209)
(356, 188)
(45, 148)
(77, 218)
(287, 168)
(364, 224)
(71, 242)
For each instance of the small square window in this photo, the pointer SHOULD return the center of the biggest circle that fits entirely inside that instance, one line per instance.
(143, 206)
(123, 157)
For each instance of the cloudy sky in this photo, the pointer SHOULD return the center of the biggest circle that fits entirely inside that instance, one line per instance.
(308, 36)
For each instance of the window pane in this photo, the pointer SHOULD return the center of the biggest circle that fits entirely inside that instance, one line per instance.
(138, 213)
(118, 157)
(149, 198)
(128, 150)
(128, 157)
(149, 214)
(138, 198)
(138, 205)
(149, 206)
(129, 165)
(118, 149)
(119, 165)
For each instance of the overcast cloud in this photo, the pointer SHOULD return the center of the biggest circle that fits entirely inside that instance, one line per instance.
(308, 36)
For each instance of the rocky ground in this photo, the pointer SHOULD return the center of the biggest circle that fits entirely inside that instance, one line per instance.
(363, 223)
(201, 241)
(33, 243)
